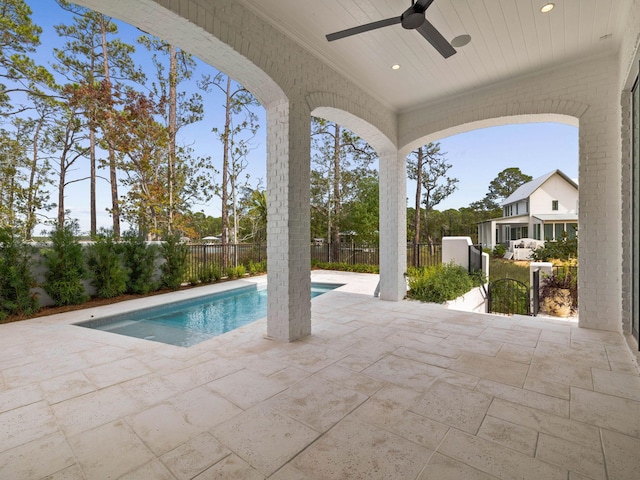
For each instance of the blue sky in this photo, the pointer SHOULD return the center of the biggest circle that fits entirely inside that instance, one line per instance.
(479, 155)
(476, 156)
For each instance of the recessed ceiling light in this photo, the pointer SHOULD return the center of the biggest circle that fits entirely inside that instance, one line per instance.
(547, 7)
(460, 40)
(395, 67)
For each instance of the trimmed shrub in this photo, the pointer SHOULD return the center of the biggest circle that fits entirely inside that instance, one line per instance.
(211, 273)
(257, 267)
(108, 274)
(175, 266)
(139, 258)
(64, 261)
(16, 279)
(499, 251)
(346, 267)
(438, 283)
(563, 249)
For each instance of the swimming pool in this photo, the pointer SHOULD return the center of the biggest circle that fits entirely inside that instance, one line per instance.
(188, 322)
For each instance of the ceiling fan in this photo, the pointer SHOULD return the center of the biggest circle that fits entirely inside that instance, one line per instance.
(413, 18)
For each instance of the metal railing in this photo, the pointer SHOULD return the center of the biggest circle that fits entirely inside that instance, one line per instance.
(429, 254)
(203, 257)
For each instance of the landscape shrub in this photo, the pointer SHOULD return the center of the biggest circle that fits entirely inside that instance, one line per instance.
(65, 266)
(562, 249)
(108, 274)
(231, 273)
(346, 267)
(140, 259)
(16, 279)
(257, 267)
(211, 273)
(499, 250)
(438, 283)
(241, 271)
(175, 266)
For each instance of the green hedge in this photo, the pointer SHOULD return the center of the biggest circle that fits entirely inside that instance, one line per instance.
(440, 283)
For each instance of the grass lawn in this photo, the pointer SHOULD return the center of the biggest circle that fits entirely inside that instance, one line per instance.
(501, 268)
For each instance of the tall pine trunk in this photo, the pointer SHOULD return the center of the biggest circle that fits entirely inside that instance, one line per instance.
(225, 165)
(113, 177)
(92, 177)
(416, 233)
(335, 228)
(173, 80)
(30, 222)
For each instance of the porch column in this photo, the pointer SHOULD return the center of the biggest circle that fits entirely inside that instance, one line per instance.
(600, 213)
(288, 221)
(393, 226)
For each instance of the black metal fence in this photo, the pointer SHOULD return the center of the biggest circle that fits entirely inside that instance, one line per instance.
(203, 257)
(429, 254)
(231, 255)
(352, 253)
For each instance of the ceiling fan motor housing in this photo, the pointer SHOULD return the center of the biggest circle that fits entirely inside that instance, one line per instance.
(413, 17)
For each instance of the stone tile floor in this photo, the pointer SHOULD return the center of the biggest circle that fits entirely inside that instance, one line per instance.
(381, 390)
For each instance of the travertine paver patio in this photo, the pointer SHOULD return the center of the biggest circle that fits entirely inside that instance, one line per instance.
(381, 390)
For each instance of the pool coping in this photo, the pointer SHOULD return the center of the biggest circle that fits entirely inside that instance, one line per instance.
(70, 319)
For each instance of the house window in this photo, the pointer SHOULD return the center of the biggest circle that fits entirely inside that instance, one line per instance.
(548, 231)
(554, 205)
(517, 205)
(559, 227)
(536, 231)
(572, 230)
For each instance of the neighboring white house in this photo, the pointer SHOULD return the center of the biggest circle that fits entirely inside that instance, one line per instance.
(542, 209)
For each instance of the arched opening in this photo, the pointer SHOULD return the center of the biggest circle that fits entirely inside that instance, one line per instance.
(483, 164)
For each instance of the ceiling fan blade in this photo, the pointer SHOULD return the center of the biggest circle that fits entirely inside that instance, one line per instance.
(424, 4)
(363, 28)
(435, 38)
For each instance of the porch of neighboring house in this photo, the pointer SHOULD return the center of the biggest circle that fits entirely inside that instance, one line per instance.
(522, 236)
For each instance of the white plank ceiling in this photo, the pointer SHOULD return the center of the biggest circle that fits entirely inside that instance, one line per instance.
(509, 38)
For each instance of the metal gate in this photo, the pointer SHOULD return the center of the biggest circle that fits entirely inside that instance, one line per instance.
(509, 296)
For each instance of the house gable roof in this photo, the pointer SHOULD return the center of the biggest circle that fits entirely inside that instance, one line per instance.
(524, 191)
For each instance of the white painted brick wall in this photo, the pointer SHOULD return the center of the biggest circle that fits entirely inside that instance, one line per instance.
(288, 224)
(629, 59)
(393, 226)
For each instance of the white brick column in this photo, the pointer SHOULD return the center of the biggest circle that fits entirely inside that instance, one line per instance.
(393, 226)
(600, 214)
(288, 221)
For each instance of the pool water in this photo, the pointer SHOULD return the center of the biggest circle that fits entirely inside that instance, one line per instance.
(189, 322)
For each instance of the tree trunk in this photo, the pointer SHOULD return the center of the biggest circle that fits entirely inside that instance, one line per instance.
(335, 234)
(225, 165)
(92, 177)
(113, 177)
(31, 197)
(173, 77)
(416, 234)
(61, 185)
